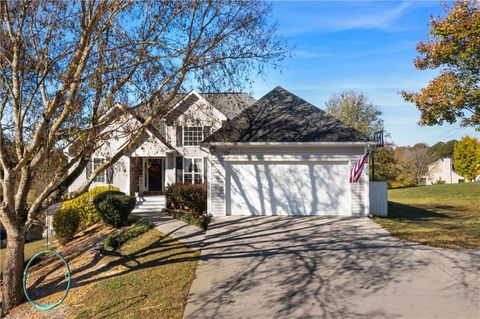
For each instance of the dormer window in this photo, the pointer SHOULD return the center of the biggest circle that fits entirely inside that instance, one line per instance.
(192, 135)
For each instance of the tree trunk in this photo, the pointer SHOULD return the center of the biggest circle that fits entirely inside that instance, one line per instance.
(12, 292)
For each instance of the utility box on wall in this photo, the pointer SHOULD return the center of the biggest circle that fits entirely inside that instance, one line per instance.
(378, 199)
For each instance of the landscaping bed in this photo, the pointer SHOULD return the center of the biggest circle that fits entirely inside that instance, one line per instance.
(117, 239)
(446, 215)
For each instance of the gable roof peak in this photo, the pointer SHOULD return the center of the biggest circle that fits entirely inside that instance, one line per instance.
(281, 116)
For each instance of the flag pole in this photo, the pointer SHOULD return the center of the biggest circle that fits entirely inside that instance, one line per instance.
(373, 166)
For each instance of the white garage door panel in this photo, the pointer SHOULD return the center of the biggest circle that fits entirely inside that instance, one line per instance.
(266, 188)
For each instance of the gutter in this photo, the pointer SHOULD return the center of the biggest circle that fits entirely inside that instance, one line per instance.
(290, 144)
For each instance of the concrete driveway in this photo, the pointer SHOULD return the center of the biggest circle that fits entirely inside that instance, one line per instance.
(309, 267)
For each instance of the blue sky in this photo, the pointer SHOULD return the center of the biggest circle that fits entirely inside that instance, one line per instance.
(365, 46)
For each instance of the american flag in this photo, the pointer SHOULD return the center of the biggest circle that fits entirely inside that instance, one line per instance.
(356, 170)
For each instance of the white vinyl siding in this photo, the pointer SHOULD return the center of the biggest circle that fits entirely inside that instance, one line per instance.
(216, 186)
(79, 181)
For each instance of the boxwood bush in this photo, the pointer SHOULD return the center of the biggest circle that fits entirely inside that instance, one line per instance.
(114, 207)
(190, 197)
(83, 204)
(66, 223)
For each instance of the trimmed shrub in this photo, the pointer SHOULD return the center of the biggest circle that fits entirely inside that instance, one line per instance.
(114, 207)
(66, 223)
(114, 241)
(83, 204)
(191, 197)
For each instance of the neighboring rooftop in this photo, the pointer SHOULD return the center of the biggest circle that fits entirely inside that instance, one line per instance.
(281, 116)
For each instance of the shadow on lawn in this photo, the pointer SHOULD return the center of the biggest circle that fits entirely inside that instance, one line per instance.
(402, 211)
(105, 265)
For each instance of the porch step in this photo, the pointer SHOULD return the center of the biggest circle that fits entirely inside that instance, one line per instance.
(146, 204)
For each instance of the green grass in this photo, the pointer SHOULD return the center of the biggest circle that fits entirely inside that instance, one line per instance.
(31, 248)
(446, 215)
(154, 281)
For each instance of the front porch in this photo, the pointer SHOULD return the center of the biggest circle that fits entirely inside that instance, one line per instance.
(150, 175)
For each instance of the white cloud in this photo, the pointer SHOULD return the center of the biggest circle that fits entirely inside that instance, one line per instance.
(363, 15)
(376, 20)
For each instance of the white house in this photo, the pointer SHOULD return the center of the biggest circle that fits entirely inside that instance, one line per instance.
(279, 155)
(442, 171)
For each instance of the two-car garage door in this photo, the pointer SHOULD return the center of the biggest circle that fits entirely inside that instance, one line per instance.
(287, 188)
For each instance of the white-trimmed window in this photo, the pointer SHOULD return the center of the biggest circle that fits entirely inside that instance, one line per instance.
(102, 176)
(192, 135)
(193, 170)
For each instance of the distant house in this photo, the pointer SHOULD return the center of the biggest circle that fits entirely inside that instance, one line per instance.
(442, 171)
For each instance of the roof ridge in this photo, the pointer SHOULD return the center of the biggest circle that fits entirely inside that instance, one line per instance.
(239, 92)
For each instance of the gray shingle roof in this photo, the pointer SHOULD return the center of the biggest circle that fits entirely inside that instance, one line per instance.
(281, 116)
(230, 104)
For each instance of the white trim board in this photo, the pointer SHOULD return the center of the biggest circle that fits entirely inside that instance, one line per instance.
(292, 144)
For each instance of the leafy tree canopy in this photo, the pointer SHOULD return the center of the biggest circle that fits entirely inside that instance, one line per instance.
(453, 48)
(386, 165)
(442, 149)
(467, 157)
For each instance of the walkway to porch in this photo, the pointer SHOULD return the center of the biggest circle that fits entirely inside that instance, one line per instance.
(150, 207)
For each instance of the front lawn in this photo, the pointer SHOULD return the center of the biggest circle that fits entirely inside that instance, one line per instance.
(148, 277)
(154, 281)
(446, 215)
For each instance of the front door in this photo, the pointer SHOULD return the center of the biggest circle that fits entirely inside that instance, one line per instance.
(155, 170)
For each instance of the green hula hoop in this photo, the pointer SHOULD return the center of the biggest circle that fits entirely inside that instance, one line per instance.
(25, 277)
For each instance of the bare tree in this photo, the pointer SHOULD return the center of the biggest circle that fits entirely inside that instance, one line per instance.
(414, 162)
(65, 66)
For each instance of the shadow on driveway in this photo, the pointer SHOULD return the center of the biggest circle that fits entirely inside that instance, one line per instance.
(313, 267)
